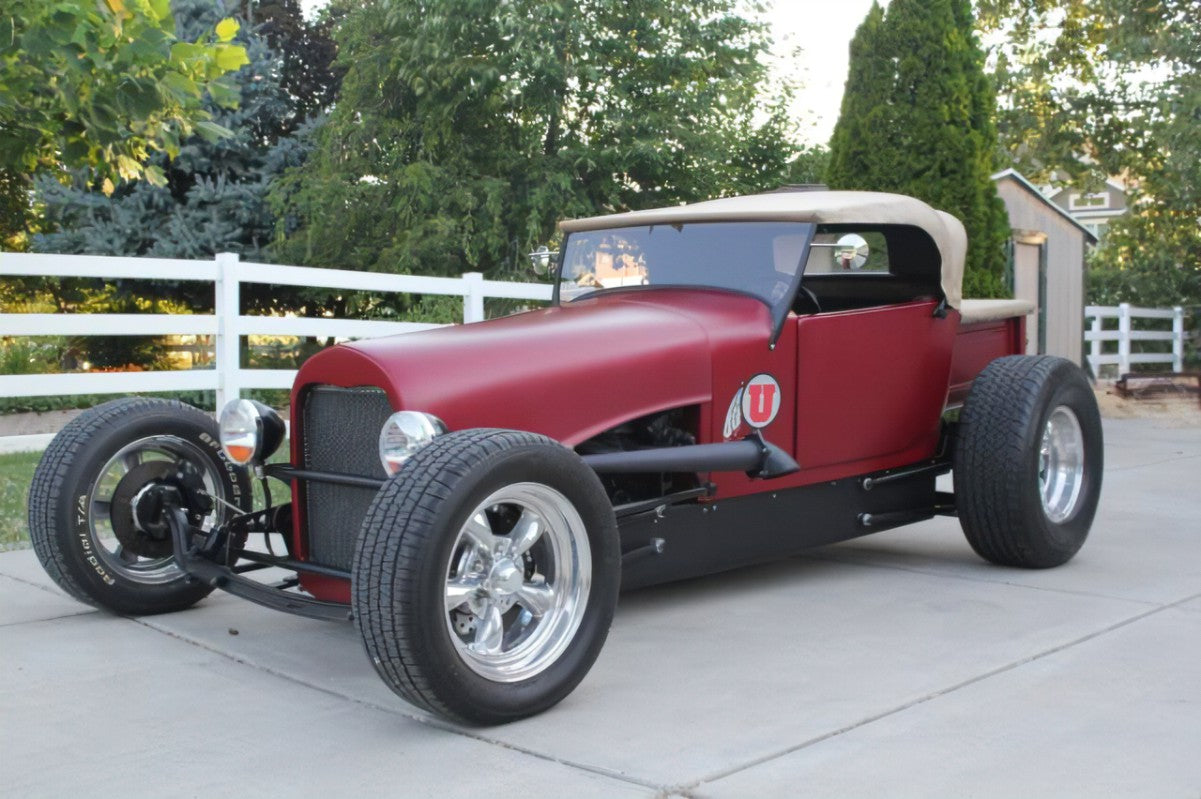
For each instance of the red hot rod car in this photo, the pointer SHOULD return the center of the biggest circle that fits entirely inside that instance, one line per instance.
(713, 385)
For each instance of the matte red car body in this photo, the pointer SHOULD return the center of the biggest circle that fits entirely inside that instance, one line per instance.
(861, 390)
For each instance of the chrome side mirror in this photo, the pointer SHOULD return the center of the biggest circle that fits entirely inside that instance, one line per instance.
(850, 252)
(541, 259)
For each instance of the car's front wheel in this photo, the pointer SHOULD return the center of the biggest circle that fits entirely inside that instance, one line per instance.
(91, 518)
(486, 575)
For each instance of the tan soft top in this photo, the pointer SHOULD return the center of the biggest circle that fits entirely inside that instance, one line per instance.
(819, 207)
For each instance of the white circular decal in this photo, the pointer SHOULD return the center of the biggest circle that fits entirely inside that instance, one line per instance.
(761, 400)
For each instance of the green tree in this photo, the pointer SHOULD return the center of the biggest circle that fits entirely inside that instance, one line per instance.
(100, 85)
(465, 129)
(306, 49)
(213, 196)
(1093, 89)
(105, 84)
(917, 119)
(808, 165)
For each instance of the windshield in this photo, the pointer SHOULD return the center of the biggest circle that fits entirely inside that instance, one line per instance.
(762, 259)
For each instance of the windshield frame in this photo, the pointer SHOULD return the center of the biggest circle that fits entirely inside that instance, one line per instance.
(779, 311)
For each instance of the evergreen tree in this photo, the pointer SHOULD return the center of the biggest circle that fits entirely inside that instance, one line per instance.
(214, 197)
(917, 119)
(465, 128)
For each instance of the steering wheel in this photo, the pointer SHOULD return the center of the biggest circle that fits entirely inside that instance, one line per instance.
(807, 293)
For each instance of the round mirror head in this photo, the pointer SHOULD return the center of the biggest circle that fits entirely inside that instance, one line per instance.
(541, 260)
(851, 252)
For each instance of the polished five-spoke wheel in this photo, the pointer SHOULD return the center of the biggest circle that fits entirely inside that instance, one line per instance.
(517, 581)
(486, 575)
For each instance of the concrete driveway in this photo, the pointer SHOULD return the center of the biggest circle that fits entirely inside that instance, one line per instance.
(899, 665)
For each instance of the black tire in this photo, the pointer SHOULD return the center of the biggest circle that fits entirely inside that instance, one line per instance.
(407, 548)
(999, 463)
(80, 467)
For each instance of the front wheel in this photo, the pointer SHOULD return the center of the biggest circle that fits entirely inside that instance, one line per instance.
(1028, 461)
(87, 490)
(486, 575)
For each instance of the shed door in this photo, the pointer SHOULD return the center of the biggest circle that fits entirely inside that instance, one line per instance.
(1030, 284)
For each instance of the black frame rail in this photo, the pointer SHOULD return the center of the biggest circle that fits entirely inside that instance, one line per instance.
(196, 564)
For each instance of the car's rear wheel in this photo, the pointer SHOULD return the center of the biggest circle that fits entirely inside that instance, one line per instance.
(1028, 461)
(83, 500)
(486, 575)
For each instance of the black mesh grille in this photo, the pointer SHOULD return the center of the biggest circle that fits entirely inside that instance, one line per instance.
(341, 435)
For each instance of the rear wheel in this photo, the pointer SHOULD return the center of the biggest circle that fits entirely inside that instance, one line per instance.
(86, 492)
(486, 575)
(1028, 461)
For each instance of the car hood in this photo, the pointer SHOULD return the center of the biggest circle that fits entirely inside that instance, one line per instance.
(568, 372)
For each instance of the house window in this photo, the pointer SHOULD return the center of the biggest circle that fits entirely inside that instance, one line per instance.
(1084, 202)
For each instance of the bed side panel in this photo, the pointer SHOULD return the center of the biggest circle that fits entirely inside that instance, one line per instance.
(977, 345)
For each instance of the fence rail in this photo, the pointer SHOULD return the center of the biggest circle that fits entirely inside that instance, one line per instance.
(1125, 334)
(227, 325)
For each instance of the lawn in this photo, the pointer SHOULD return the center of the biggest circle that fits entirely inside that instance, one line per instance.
(16, 470)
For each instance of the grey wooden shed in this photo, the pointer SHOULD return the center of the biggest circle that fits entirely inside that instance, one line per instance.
(1046, 266)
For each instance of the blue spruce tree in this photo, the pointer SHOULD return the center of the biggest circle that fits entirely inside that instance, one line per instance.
(214, 199)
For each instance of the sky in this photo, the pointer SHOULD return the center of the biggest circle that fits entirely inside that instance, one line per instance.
(823, 30)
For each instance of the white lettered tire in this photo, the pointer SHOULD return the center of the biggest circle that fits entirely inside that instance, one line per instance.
(80, 521)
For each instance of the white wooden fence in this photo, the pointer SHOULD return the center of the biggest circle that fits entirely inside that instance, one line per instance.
(227, 274)
(1124, 334)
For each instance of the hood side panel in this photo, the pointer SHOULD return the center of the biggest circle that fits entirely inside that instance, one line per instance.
(568, 372)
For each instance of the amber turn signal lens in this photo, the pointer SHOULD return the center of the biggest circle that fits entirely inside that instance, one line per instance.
(249, 431)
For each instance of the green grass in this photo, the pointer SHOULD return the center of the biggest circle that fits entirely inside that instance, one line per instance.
(16, 472)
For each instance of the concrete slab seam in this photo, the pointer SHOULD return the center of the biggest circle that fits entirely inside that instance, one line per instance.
(51, 618)
(396, 711)
(850, 561)
(688, 786)
(39, 586)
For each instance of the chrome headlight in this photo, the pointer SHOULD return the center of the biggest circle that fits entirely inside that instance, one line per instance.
(250, 432)
(403, 434)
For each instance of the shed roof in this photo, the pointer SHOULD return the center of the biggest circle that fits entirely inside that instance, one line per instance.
(1030, 188)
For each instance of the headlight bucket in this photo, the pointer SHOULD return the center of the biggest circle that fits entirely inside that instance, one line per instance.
(403, 434)
(250, 432)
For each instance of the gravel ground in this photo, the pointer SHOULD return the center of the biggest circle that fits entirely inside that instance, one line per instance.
(1181, 410)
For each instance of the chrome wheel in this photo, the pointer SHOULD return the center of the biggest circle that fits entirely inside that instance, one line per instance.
(517, 583)
(125, 476)
(1061, 464)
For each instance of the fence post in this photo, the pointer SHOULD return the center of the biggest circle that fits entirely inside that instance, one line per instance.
(473, 297)
(1178, 339)
(1094, 350)
(1123, 338)
(228, 347)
